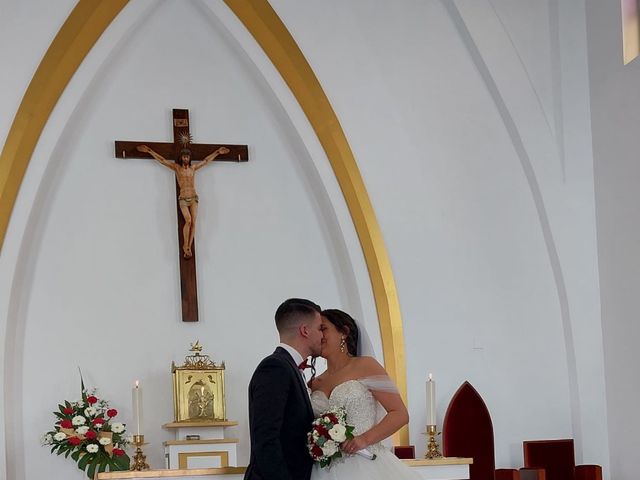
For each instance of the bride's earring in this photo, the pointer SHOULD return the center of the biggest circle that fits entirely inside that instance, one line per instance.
(343, 344)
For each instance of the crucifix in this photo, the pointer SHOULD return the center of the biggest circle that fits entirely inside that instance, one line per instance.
(178, 156)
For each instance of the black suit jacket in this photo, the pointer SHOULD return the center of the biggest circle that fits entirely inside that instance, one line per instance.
(280, 417)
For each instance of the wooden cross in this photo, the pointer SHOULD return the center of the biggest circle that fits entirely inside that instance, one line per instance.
(171, 151)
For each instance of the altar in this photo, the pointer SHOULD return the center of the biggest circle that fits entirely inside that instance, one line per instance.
(432, 469)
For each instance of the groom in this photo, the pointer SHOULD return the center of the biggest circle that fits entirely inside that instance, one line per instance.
(280, 412)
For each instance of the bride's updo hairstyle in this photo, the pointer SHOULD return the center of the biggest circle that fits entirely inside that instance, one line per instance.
(345, 324)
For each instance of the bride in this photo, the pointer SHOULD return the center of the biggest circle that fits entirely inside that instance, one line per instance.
(358, 384)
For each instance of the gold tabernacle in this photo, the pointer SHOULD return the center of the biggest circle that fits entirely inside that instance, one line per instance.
(198, 388)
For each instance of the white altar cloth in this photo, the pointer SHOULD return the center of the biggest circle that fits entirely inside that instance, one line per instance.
(436, 469)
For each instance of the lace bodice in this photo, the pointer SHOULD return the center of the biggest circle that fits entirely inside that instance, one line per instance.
(355, 398)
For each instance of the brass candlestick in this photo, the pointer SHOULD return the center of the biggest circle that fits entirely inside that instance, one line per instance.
(139, 459)
(433, 449)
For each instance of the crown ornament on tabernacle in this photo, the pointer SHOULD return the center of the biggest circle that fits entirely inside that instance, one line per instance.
(197, 360)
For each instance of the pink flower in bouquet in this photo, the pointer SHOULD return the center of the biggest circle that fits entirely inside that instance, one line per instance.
(112, 412)
(74, 440)
(118, 452)
(91, 399)
(68, 410)
(91, 435)
(98, 421)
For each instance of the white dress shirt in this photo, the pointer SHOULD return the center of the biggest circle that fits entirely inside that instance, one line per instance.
(297, 357)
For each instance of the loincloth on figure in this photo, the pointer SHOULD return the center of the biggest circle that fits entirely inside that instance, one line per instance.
(187, 201)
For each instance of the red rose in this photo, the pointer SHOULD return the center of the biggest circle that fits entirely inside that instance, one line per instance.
(91, 434)
(68, 410)
(316, 451)
(74, 440)
(98, 421)
(66, 424)
(112, 413)
(118, 452)
(332, 418)
(91, 400)
(321, 430)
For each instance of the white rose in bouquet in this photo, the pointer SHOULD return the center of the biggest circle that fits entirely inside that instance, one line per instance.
(104, 440)
(82, 430)
(338, 433)
(329, 448)
(90, 411)
(58, 437)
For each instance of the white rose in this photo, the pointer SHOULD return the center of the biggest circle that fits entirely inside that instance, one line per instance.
(90, 411)
(92, 448)
(80, 404)
(104, 440)
(58, 437)
(117, 427)
(82, 430)
(338, 433)
(329, 448)
(78, 420)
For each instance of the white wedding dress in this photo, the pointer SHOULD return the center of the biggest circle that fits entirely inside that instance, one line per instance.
(361, 407)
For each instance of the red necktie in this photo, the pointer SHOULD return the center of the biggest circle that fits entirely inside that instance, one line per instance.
(304, 365)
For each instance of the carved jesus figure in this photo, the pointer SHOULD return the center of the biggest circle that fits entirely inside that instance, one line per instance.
(187, 196)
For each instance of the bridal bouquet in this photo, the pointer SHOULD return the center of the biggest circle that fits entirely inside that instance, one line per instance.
(86, 431)
(328, 431)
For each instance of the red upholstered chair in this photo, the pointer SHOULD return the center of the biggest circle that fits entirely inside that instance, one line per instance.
(588, 472)
(532, 474)
(467, 431)
(405, 451)
(507, 474)
(555, 456)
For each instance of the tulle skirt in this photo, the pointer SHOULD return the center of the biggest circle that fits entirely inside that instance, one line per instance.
(386, 466)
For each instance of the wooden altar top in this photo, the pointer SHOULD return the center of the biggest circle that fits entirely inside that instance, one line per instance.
(192, 472)
(423, 462)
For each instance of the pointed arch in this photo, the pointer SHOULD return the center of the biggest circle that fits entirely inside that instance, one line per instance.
(84, 26)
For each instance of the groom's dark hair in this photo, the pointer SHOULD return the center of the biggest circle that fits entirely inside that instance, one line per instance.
(292, 311)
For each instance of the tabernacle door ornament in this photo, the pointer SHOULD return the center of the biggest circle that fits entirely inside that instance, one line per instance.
(198, 388)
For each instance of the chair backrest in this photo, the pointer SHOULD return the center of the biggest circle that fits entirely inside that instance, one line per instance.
(555, 456)
(467, 431)
(532, 474)
(588, 472)
(507, 474)
(405, 451)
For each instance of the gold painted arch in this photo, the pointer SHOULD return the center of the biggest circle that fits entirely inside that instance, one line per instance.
(84, 26)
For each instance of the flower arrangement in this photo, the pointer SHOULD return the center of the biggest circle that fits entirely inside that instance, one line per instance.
(328, 431)
(86, 431)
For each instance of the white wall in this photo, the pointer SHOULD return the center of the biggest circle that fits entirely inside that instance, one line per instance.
(615, 103)
(469, 121)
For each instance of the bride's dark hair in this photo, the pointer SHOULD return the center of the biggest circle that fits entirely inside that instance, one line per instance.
(345, 324)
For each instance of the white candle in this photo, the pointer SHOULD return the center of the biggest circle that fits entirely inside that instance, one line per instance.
(137, 406)
(431, 401)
